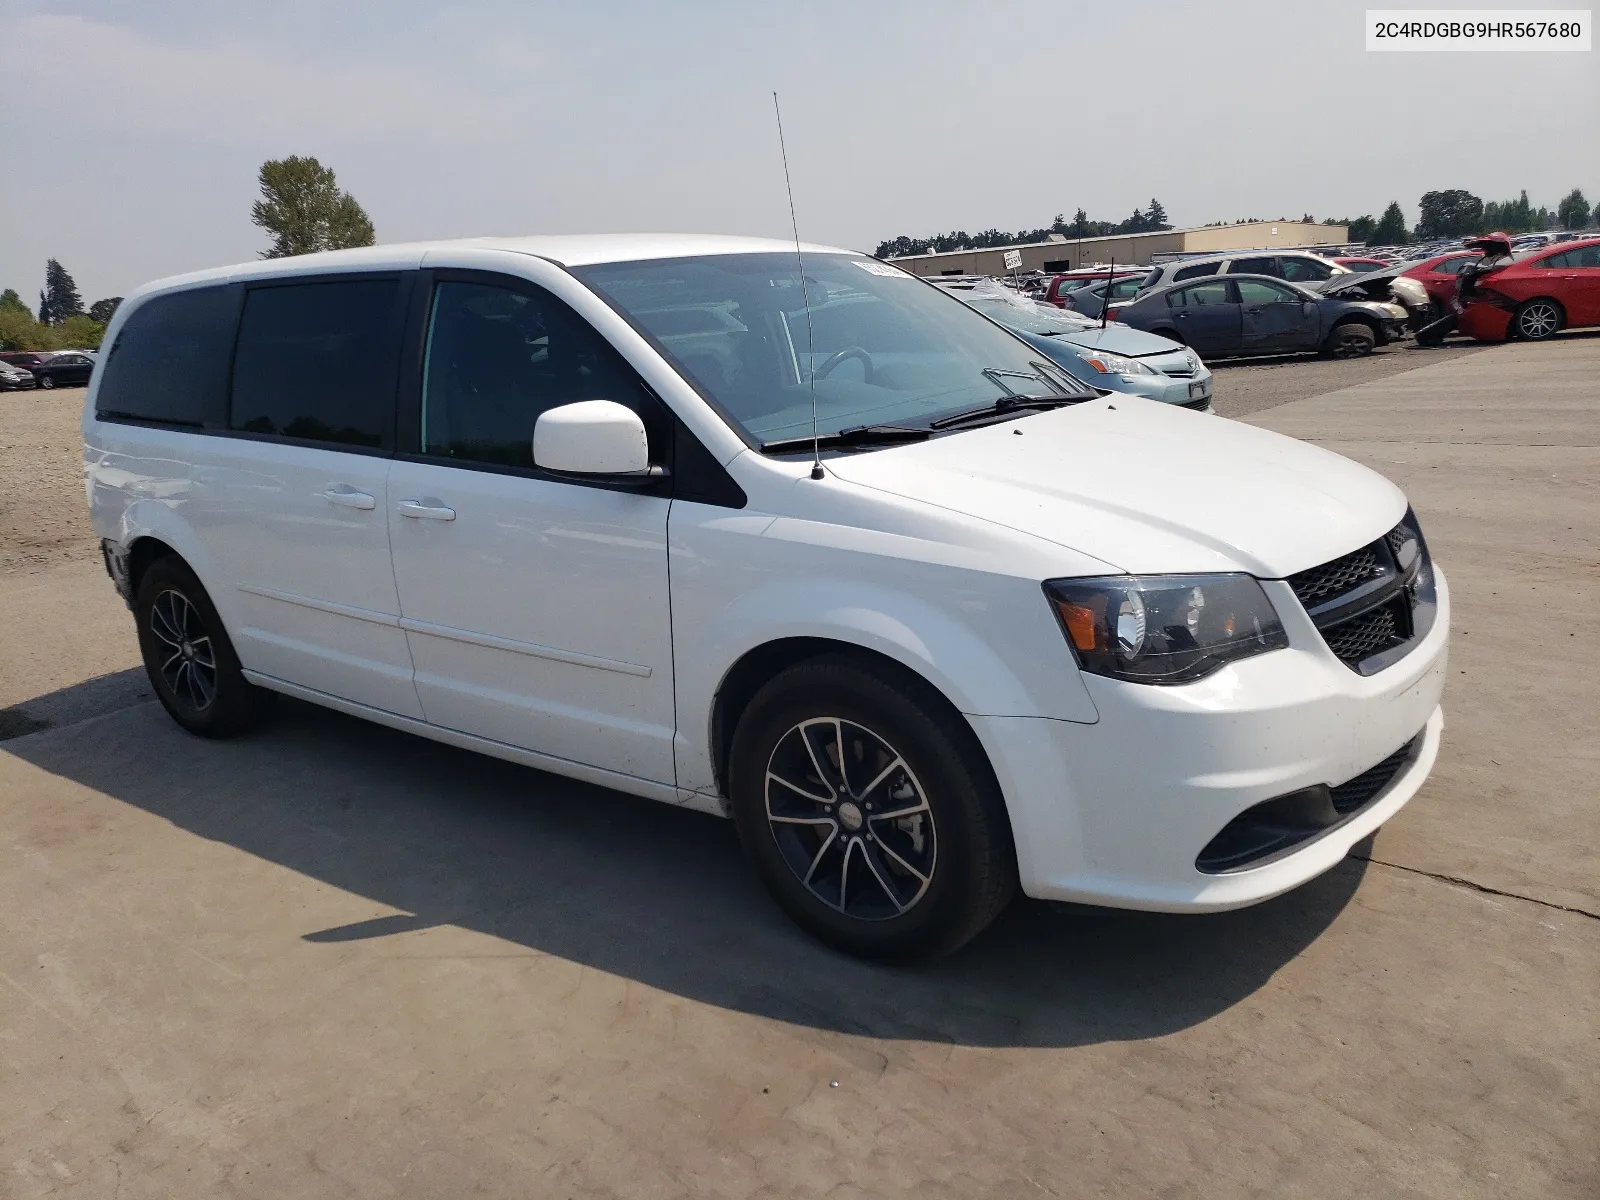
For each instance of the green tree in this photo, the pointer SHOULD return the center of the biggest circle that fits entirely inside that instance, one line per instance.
(1573, 211)
(1359, 229)
(11, 302)
(104, 310)
(1448, 214)
(1391, 227)
(60, 298)
(1155, 216)
(82, 332)
(304, 210)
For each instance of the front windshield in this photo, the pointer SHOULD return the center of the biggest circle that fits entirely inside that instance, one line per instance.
(889, 349)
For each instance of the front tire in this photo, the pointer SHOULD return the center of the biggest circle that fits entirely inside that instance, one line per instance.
(870, 812)
(1353, 339)
(188, 657)
(1537, 320)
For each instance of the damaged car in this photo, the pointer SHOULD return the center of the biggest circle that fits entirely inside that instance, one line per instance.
(1533, 295)
(1254, 314)
(1391, 287)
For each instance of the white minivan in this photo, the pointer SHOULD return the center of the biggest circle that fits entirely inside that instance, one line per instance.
(829, 553)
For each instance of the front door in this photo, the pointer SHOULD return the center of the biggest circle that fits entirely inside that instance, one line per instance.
(1207, 316)
(1577, 283)
(290, 508)
(1275, 318)
(536, 607)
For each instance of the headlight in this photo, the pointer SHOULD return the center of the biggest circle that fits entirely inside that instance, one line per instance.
(1165, 629)
(1116, 364)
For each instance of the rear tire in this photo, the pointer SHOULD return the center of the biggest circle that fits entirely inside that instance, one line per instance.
(1537, 320)
(904, 854)
(1352, 339)
(188, 657)
(46, 381)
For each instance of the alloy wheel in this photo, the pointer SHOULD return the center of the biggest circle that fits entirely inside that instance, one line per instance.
(1351, 345)
(1538, 320)
(850, 818)
(189, 663)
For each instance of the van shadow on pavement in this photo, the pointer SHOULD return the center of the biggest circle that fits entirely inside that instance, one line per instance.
(647, 891)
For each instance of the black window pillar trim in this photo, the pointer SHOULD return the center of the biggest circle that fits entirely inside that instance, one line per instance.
(408, 392)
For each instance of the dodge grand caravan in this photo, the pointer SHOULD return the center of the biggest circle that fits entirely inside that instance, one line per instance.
(836, 556)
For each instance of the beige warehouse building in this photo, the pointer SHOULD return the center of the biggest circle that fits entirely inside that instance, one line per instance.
(1066, 254)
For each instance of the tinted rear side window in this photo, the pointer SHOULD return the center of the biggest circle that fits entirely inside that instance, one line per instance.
(170, 361)
(1197, 270)
(1254, 266)
(317, 361)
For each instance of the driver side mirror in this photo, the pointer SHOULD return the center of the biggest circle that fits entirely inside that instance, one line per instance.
(593, 437)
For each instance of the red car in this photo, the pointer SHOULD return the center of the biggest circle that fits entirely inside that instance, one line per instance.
(1556, 287)
(1441, 274)
(1364, 264)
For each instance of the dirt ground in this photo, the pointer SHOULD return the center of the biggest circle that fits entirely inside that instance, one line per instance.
(1251, 385)
(332, 960)
(43, 516)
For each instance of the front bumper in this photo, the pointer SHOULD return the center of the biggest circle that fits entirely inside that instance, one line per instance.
(1115, 813)
(1168, 389)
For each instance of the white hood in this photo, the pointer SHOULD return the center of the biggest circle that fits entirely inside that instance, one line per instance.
(1149, 487)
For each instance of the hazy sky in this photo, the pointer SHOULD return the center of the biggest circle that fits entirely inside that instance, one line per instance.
(131, 132)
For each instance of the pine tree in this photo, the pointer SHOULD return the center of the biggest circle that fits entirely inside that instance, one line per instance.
(1391, 227)
(62, 293)
(1155, 216)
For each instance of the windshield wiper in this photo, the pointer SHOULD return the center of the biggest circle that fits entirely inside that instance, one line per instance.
(1007, 406)
(856, 435)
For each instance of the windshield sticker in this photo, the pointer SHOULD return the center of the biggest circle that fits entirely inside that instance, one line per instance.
(878, 268)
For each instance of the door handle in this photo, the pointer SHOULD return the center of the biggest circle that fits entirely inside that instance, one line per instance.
(348, 497)
(1182, 316)
(418, 510)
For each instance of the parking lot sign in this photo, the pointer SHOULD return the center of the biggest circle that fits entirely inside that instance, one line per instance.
(1013, 260)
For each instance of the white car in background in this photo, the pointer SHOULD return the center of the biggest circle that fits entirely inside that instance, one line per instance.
(1296, 266)
(837, 557)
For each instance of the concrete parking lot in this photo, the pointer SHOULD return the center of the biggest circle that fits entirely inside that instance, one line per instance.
(332, 960)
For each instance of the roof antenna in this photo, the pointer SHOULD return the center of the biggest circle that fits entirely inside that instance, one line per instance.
(805, 296)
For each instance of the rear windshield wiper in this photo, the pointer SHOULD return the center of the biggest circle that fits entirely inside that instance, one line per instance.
(856, 435)
(1006, 406)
